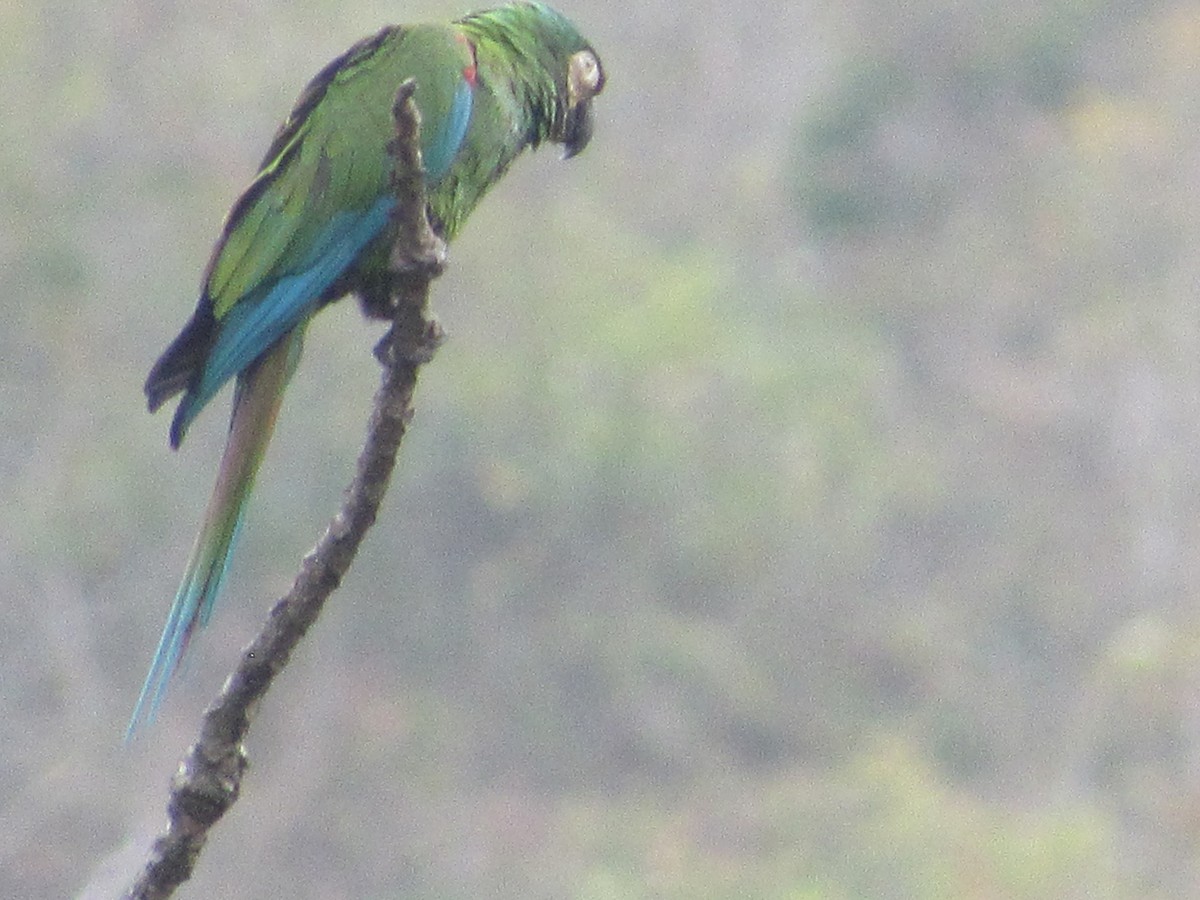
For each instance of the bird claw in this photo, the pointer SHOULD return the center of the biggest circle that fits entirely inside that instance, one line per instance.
(427, 260)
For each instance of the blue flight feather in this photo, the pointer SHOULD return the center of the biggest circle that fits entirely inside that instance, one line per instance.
(255, 323)
(445, 144)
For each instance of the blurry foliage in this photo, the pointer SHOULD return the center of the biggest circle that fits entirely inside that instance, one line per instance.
(803, 505)
(896, 144)
(882, 825)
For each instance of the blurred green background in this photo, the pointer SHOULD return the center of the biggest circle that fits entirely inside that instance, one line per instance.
(805, 504)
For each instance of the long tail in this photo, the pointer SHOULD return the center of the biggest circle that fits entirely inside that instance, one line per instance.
(256, 405)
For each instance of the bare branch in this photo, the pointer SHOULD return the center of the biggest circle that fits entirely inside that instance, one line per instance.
(210, 775)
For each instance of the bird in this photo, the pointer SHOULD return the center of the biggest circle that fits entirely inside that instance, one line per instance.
(316, 224)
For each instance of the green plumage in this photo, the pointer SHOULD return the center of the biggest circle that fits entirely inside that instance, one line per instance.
(316, 223)
(330, 156)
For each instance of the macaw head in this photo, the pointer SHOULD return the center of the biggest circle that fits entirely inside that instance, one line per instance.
(585, 79)
(559, 71)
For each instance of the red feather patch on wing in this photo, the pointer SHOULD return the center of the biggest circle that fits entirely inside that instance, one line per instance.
(471, 72)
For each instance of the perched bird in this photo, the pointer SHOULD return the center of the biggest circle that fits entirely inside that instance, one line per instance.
(316, 224)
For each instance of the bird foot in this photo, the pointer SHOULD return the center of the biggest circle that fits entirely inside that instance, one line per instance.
(426, 261)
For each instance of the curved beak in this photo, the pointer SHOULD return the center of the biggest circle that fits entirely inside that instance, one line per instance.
(577, 130)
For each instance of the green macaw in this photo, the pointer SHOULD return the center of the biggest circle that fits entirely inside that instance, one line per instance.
(316, 224)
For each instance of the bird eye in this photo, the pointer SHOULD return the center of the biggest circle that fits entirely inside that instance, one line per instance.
(585, 78)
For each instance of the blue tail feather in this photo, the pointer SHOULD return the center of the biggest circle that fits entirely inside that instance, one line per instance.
(255, 407)
(193, 606)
